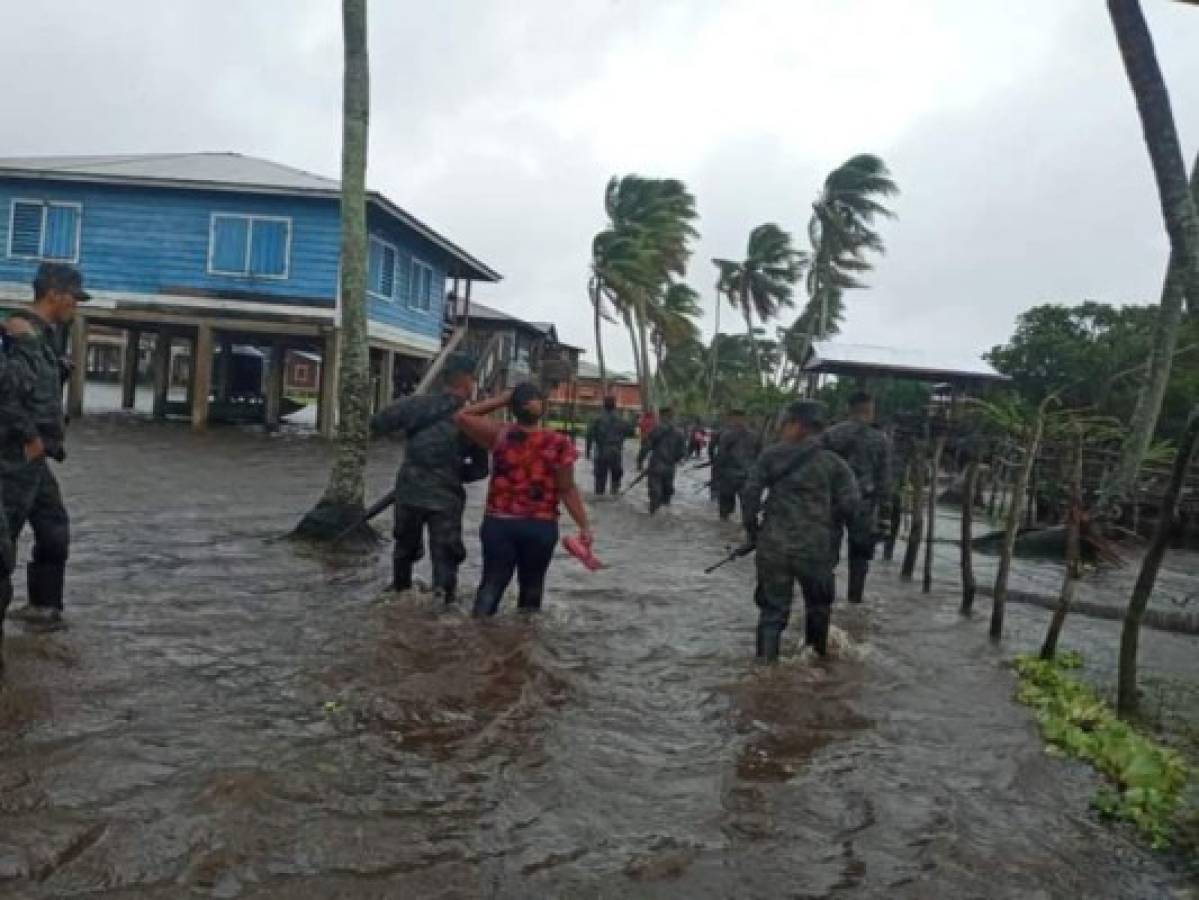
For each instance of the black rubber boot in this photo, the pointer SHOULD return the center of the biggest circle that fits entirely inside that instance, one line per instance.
(857, 580)
(401, 575)
(46, 581)
(5, 599)
(817, 621)
(768, 642)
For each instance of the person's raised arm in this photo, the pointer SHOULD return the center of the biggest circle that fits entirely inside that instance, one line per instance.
(488, 406)
(573, 501)
(479, 428)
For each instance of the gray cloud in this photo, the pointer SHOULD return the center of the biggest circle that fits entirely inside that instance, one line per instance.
(1008, 124)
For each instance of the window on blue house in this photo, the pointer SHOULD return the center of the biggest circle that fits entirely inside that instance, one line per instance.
(249, 245)
(381, 269)
(420, 287)
(39, 230)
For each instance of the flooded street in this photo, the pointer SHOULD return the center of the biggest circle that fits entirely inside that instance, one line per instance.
(231, 715)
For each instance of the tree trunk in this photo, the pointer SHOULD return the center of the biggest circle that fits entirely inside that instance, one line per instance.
(1073, 572)
(597, 300)
(342, 503)
(715, 352)
(1019, 490)
(931, 524)
(649, 399)
(638, 371)
(1122, 487)
(967, 548)
(916, 527)
(1130, 635)
(1161, 139)
(748, 311)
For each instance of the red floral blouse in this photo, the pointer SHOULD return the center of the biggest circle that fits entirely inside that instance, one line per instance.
(524, 468)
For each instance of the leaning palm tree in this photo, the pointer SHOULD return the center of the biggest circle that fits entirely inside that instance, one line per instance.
(842, 232)
(672, 322)
(342, 503)
(761, 284)
(647, 241)
(1180, 211)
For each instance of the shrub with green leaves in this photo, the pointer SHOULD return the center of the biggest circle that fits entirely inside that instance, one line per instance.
(1147, 779)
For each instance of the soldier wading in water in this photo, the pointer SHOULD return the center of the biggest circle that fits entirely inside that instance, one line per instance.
(32, 431)
(868, 454)
(733, 455)
(439, 459)
(809, 492)
(665, 447)
(605, 446)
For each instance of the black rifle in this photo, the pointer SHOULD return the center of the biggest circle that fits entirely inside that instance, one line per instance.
(702, 465)
(743, 550)
(375, 509)
(636, 481)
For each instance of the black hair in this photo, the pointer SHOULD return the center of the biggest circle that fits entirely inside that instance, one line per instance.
(522, 395)
(458, 365)
(858, 399)
(809, 413)
(666, 411)
(609, 403)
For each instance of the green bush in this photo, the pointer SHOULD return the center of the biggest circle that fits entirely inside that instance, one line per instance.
(1147, 779)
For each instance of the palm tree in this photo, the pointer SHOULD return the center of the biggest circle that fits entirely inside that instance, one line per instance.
(1182, 225)
(646, 242)
(672, 321)
(762, 284)
(1179, 202)
(342, 503)
(842, 232)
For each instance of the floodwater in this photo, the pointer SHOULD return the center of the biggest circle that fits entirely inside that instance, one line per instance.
(231, 715)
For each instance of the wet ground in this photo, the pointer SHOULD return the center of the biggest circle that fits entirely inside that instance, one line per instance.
(233, 716)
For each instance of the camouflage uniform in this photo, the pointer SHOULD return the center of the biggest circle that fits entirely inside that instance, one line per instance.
(32, 408)
(429, 492)
(733, 457)
(666, 448)
(811, 490)
(605, 445)
(868, 454)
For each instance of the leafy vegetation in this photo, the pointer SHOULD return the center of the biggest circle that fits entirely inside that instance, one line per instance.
(1147, 779)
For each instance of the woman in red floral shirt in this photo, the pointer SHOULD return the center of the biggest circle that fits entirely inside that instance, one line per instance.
(532, 472)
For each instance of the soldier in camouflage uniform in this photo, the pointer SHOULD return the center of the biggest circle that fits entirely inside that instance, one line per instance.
(429, 486)
(868, 454)
(809, 491)
(8, 550)
(665, 447)
(605, 438)
(735, 451)
(32, 430)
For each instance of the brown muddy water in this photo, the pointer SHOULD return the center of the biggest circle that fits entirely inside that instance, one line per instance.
(233, 716)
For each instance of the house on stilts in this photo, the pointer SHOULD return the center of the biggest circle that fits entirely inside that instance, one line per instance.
(219, 258)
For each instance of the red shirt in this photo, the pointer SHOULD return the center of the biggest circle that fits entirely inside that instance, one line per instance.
(646, 424)
(524, 470)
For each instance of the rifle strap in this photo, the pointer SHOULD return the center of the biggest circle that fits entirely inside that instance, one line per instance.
(796, 464)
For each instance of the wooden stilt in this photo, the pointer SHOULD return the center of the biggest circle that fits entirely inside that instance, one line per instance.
(201, 380)
(386, 379)
(129, 360)
(274, 385)
(326, 409)
(162, 372)
(79, 372)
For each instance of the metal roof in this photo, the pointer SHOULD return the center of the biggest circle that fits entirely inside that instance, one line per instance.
(902, 362)
(591, 370)
(221, 171)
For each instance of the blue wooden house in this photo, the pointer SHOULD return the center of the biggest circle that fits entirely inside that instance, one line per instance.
(206, 252)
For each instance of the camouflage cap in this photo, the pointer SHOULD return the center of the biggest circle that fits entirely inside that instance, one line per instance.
(807, 412)
(53, 276)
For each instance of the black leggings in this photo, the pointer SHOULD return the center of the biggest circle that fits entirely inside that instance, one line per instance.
(521, 546)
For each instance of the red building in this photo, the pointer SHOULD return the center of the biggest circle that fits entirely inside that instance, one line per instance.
(587, 395)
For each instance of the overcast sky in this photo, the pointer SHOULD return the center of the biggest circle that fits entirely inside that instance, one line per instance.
(1007, 123)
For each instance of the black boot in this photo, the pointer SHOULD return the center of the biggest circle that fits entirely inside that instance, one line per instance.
(768, 641)
(817, 621)
(46, 581)
(5, 599)
(401, 575)
(857, 581)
